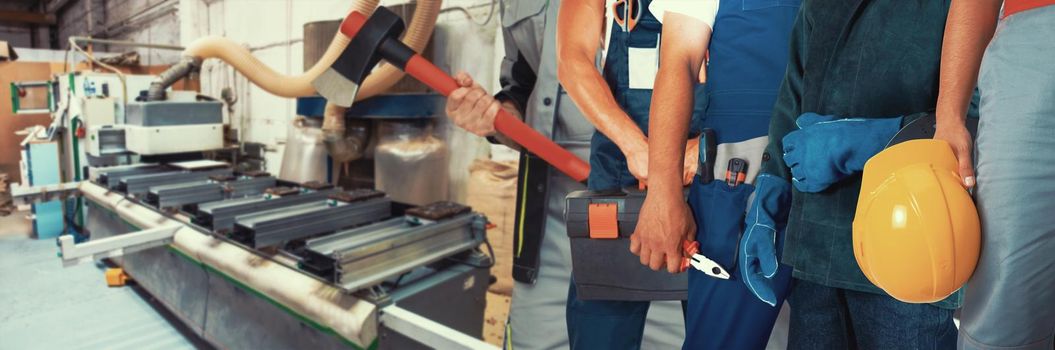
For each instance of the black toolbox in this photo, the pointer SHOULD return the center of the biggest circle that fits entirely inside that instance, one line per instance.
(603, 266)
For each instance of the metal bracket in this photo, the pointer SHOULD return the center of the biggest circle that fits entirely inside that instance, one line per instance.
(427, 331)
(73, 254)
(25, 195)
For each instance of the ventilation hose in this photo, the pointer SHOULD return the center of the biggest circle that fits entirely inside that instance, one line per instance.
(297, 85)
(186, 65)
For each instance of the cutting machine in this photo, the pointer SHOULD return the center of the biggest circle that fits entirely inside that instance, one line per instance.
(250, 261)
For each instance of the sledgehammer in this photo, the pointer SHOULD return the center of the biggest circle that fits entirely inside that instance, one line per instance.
(377, 38)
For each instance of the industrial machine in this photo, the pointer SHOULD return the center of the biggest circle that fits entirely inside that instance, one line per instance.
(292, 264)
(246, 259)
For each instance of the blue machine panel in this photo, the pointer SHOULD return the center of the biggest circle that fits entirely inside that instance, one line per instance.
(393, 106)
(43, 164)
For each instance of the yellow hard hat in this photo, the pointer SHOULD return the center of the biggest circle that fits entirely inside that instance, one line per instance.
(916, 232)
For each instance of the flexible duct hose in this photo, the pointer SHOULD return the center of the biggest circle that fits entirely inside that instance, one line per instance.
(186, 65)
(300, 85)
(343, 147)
(338, 143)
(257, 72)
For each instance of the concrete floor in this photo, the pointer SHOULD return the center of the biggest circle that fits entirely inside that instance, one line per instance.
(46, 306)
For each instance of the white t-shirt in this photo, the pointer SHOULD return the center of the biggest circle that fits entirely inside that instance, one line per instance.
(704, 10)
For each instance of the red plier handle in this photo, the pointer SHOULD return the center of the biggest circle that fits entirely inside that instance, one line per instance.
(688, 248)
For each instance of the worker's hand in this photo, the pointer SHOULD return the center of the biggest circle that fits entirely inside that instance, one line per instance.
(692, 160)
(472, 108)
(959, 138)
(664, 222)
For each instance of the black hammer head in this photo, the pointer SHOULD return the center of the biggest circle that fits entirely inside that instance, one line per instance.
(340, 83)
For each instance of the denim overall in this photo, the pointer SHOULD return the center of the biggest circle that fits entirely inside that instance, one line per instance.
(748, 55)
(603, 324)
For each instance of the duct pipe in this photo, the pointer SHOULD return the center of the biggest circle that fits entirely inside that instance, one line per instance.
(257, 72)
(186, 65)
(300, 85)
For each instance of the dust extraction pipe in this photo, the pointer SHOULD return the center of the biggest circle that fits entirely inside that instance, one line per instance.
(299, 85)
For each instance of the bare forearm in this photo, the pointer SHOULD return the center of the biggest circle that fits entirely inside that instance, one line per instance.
(671, 111)
(681, 60)
(968, 31)
(591, 94)
(579, 36)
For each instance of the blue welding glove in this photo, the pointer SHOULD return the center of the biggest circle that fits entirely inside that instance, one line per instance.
(766, 218)
(828, 148)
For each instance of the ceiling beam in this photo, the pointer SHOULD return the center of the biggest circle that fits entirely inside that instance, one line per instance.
(56, 5)
(26, 17)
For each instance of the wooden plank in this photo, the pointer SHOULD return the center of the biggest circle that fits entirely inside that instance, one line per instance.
(9, 122)
(26, 17)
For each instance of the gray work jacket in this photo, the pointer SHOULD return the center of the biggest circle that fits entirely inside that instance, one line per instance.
(529, 75)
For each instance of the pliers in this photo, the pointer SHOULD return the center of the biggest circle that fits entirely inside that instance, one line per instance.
(700, 262)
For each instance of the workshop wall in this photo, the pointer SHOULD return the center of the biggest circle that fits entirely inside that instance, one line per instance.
(147, 21)
(20, 34)
(273, 30)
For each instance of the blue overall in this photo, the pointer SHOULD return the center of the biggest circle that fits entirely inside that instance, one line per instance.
(603, 324)
(748, 55)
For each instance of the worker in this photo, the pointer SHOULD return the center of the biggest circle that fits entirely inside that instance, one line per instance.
(616, 101)
(1010, 298)
(857, 72)
(747, 58)
(542, 261)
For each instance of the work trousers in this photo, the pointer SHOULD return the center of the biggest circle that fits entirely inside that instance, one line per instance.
(1009, 302)
(825, 317)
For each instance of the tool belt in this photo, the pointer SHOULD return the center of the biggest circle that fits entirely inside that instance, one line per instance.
(599, 227)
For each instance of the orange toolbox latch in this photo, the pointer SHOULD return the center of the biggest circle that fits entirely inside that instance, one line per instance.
(604, 220)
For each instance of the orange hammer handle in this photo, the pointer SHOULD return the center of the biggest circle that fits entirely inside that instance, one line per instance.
(510, 126)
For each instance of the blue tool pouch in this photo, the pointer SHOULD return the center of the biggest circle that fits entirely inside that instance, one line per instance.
(719, 211)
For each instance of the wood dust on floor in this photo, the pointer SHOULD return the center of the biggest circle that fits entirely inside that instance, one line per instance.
(495, 318)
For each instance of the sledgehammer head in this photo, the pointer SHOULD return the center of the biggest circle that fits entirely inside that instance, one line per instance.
(339, 84)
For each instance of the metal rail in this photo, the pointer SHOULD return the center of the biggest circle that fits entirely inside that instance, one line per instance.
(368, 255)
(220, 216)
(111, 178)
(74, 253)
(285, 224)
(82, 39)
(140, 184)
(25, 195)
(180, 194)
(429, 332)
